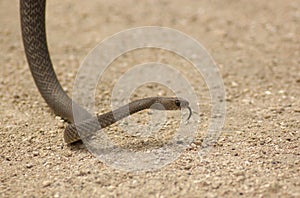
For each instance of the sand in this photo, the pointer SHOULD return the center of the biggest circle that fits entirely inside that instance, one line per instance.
(255, 45)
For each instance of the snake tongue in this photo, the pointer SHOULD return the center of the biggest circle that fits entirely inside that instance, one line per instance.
(190, 110)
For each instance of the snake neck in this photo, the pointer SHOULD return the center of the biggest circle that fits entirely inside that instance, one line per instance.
(111, 117)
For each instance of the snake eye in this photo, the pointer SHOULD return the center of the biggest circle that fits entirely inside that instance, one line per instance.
(177, 102)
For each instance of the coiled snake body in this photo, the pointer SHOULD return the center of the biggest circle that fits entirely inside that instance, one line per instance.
(35, 43)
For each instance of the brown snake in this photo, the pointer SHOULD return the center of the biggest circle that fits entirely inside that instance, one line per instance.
(35, 43)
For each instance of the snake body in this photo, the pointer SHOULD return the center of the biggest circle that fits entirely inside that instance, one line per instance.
(35, 44)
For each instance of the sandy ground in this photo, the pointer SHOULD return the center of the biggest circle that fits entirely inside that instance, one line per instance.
(256, 45)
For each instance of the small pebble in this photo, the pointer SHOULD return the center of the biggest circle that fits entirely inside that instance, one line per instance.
(29, 165)
(268, 92)
(60, 125)
(234, 84)
(46, 183)
(58, 118)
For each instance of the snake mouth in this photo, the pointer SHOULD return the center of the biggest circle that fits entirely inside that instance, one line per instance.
(190, 110)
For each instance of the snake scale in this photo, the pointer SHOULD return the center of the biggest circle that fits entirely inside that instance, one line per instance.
(32, 13)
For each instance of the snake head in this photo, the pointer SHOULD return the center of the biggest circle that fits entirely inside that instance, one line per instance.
(172, 103)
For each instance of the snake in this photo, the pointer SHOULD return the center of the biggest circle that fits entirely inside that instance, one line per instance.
(33, 28)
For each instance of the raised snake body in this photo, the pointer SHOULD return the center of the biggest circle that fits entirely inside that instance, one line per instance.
(38, 57)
